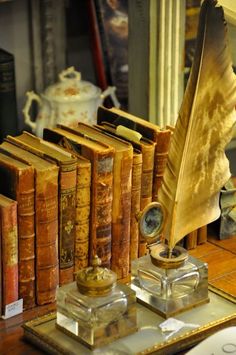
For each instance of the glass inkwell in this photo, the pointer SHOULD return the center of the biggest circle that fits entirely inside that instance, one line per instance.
(94, 309)
(167, 284)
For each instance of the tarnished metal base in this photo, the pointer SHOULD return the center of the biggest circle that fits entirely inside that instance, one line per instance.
(170, 291)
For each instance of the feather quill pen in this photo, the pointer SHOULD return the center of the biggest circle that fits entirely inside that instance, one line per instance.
(197, 167)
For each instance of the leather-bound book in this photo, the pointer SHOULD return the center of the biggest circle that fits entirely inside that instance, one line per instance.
(135, 203)
(9, 243)
(83, 187)
(121, 206)
(17, 183)
(82, 213)
(147, 148)
(161, 136)
(46, 221)
(101, 158)
(66, 197)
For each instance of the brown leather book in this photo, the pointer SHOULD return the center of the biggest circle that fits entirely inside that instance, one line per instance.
(121, 206)
(101, 158)
(46, 221)
(135, 203)
(148, 130)
(82, 213)
(66, 197)
(9, 243)
(17, 183)
(83, 187)
(147, 148)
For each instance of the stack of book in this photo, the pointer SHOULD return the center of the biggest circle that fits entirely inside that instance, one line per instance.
(71, 195)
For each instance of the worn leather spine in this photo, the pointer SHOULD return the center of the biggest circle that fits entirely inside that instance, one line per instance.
(162, 139)
(83, 187)
(121, 215)
(147, 149)
(101, 157)
(46, 202)
(17, 182)
(66, 197)
(67, 213)
(135, 203)
(82, 213)
(9, 240)
(121, 206)
(46, 222)
(26, 233)
(160, 136)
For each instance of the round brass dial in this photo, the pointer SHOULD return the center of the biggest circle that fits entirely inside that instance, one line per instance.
(151, 222)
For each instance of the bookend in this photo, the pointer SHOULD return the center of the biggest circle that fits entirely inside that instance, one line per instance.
(166, 285)
(95, 310)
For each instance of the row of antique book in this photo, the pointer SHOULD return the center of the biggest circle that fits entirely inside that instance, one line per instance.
(73, 194)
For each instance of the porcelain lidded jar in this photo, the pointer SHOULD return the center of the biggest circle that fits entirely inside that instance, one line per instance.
(68, 101)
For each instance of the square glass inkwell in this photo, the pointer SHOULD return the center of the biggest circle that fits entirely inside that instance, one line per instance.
(94, 309)
(166, 282)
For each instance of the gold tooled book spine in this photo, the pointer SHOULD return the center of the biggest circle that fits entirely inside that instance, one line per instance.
(82, 214)
(148, 130)
(26, 234)
(9, 240)
(66, 196)
(160, 159)
(46, 205)
(135, 204)
(101, 159)
(121, 212)
(146, 186)
(17, 182)
(147, 174)
(101, 209)
(67, 216)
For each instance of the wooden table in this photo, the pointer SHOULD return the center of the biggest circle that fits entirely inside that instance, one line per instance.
(11, 332)
(219, 254)
(221, 258)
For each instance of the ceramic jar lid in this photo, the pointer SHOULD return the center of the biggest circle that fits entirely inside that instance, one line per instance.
(71, 88)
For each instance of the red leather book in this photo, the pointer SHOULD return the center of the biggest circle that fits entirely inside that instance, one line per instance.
(17, 183)
(46, 222)
(67, 164)
(9, 243)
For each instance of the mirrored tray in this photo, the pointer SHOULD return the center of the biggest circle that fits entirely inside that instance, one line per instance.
(218, 313)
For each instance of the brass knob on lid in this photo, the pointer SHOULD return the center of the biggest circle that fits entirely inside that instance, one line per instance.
(95, 280)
